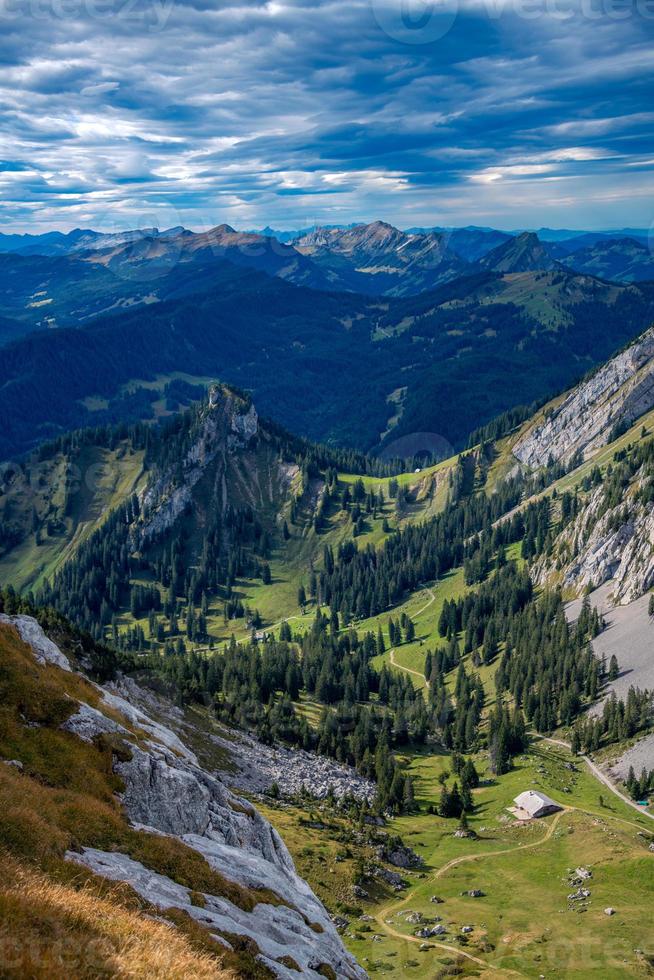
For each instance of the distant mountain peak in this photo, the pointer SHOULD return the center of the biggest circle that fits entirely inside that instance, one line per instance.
(524, 253)
(528, 238)
(379, 225)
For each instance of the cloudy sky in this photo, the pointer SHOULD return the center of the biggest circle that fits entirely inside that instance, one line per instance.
(511, 113)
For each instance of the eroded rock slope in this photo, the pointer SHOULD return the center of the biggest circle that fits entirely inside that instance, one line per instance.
(619, 393)
(167, 793)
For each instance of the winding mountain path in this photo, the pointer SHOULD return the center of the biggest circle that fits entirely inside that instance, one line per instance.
(464, 859)
(592, 766)
(409, 670)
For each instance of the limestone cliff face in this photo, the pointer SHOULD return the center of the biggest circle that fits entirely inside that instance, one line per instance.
(614, 545)
(224, 427)
(167, 792)
(621, 391)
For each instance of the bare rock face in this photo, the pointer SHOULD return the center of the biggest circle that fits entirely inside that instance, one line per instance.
(615, 546)
(163, 796)
(170, 795)
(87, 723)
(224, 428)
(246, 426)
(270, 926)
(166, 792)
(44, 650)
(621, 391)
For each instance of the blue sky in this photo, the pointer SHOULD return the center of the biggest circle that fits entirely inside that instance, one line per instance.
(511, 113)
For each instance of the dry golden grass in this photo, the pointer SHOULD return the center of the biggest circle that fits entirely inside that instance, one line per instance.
(58, 920)
(50, 929)
(65, 797)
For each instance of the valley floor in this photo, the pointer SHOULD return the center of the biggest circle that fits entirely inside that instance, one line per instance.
(524, 924)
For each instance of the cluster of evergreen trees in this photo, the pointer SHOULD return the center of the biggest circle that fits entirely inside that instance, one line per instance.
(502, 424)
(361, 583)
(484, 615)
(619, 720)
(99, 584)
(639, 788)
(507, 737)
(254, 686)
(548, 666)
(457, 801)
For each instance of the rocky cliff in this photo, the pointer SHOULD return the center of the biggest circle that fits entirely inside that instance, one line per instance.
(165, 795)
(224, 426)
(618, 394)
(605, 545)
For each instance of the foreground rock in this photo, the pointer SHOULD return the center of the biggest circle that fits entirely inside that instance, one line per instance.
(167, 793)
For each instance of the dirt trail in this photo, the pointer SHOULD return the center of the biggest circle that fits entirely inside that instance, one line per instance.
(381, 916)
(602, 777)
(409, 670)
(595, 770)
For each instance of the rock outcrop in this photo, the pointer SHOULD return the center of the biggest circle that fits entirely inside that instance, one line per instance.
(619, 393)
(45, 651)
(166, 792)
(614, 545)
(224, 426)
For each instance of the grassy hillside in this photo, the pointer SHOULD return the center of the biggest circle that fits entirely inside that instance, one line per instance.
(257, 503)
(51, 506)
(524, 925)
(58, 919)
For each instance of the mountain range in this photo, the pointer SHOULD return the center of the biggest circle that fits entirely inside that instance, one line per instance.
(302, 352)
(299, 323)
(375, 259)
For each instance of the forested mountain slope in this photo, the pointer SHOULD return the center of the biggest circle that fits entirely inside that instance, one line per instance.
(521, 254)
(622, 260)
(302, 353)
(411, 625)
